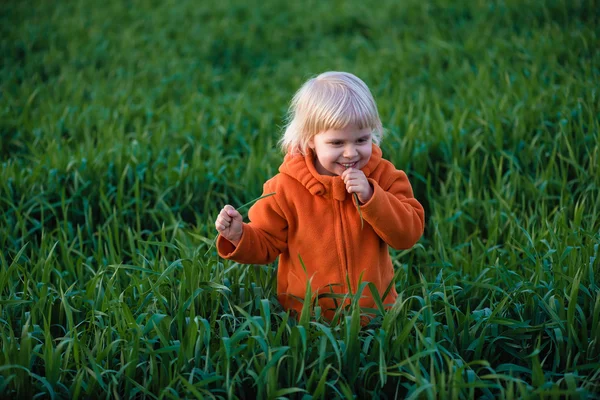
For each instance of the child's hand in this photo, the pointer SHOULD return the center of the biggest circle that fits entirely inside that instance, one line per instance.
(229, 224)
(356, 182)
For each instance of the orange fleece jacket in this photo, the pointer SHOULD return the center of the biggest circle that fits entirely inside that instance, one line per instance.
(314, 217)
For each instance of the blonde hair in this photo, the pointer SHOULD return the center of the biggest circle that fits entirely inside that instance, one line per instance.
(332, 100)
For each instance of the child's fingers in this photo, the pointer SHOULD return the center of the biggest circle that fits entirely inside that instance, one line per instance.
(348, 172)
(352, 180)
(234, 215)
(222, 224)
(228, 212)
(229, 218)
(224, 219)
(352, 173)
(345, 178)
(354, 186)
(231, 212)
(357, 179)
(345, 173)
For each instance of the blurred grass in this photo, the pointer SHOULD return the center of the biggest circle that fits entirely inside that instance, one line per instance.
(125, 126)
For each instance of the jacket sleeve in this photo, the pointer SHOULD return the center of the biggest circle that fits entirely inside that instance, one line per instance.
(395, 215)
(264, 238)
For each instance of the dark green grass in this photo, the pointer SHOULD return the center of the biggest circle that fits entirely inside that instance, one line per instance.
(125, 126)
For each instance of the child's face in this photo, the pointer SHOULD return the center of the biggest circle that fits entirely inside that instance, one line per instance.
(338, 149)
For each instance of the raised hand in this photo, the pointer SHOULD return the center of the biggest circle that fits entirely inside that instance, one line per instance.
(356, 182)
(229, 224)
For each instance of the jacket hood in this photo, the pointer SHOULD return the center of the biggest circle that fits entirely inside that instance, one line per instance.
(302, 168)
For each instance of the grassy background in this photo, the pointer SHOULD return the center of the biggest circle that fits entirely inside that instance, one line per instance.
(126, 125)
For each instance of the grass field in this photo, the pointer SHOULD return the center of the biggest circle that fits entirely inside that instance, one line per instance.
(126, 125)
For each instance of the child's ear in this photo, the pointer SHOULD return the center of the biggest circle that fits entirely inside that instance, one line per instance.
(311, 143)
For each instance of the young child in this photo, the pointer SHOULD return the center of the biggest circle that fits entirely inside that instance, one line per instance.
(331, 141)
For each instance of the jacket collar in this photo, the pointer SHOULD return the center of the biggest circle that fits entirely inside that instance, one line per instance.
(302, 168)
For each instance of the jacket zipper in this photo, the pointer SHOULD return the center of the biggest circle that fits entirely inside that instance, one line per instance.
(344, 256)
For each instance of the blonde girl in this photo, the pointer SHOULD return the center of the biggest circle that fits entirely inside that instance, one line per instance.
(332, 160)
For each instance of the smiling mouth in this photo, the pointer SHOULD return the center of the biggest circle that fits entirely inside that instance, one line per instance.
(348, 165)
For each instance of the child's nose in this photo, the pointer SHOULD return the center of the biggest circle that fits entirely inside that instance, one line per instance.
(350, 151)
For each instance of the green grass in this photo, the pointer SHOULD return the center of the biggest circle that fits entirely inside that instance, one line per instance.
(126, 126)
